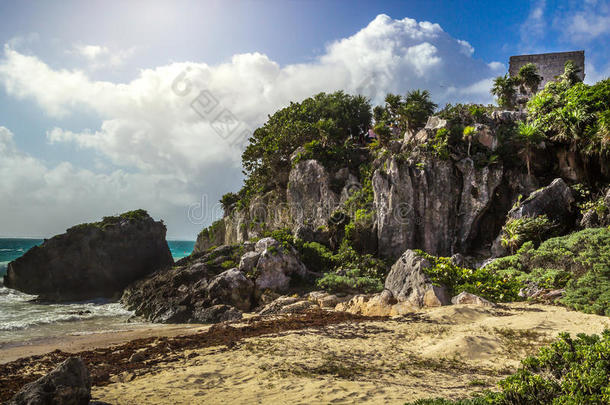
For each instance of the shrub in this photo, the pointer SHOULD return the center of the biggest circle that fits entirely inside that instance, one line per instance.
(568, 371)
(579, 262)
(482, 282)
(518, 231)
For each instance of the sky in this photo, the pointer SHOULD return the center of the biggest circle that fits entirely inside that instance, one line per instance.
(109, 106)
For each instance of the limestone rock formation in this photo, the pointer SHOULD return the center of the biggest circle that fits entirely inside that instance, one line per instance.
(555, 201)
(92, 260)
(408, 283)
(276, 266)
(67, 384)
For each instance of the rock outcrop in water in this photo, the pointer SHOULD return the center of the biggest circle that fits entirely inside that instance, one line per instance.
(92, 260)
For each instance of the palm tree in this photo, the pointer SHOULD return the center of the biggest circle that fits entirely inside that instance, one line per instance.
(530, 137)
(417, 108)
(504, 89)
(528, 77)
(468, 135)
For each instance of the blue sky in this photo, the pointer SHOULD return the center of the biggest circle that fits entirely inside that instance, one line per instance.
(90, 124)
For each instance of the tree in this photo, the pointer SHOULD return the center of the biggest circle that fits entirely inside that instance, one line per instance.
(504, 89)
(333, 119)
(530, 137)
(417, 108)
(528, 77)
(468, 135)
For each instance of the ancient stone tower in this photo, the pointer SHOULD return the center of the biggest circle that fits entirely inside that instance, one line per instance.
(549, 65)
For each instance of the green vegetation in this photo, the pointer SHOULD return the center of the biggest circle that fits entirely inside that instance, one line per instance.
(529, 78)
(529, 137)
(332, 120)
(409, 112)
(568, 371)
(579, 262)
(135, 215)
(468, 135)
(574, 114)
(343, 271)
(483, 282)
(518, 231)
(504, 89)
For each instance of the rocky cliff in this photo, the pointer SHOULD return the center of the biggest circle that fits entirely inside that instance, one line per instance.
(419, 200)
(92, 260)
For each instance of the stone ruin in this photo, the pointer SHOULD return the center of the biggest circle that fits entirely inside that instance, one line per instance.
(550, 65)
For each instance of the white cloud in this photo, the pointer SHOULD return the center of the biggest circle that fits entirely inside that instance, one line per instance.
(101, 56)
(467, 49)
(586, 25)
(158, 125)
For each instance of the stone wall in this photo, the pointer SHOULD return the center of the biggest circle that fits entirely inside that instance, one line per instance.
(549, 64)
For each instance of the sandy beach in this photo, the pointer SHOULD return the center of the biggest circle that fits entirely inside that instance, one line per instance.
(447, 351)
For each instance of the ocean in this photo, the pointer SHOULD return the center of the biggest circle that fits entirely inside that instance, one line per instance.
(22, 320)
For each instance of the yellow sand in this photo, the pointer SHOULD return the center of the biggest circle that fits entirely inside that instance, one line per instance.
(448, 352)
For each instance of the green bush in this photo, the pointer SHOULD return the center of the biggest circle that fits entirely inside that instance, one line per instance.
(354, 272)
(518, 231)
(568, 371)
(579, 262)
(482, 282)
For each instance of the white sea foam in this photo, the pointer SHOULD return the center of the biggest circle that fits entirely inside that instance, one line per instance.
(20, 316)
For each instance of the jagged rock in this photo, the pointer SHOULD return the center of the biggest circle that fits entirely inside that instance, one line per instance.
(233, 288)
(415, 206)
(309, 194)
(555, 201)
(472, 299)
(92, 260)
(408, 282)
(435, 123)
(265, 244)
(179, 294)
(507, 116)
(478, 188)
(67, 384)
(217, 313)
(248, 262)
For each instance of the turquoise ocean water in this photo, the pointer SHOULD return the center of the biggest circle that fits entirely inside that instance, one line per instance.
(22, 320)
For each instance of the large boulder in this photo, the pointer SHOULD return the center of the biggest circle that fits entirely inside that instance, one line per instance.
(408, 282)
(68, 384)
(277, 266)
(92, 260)
(182, 294)
(556, 201)
(233, 288)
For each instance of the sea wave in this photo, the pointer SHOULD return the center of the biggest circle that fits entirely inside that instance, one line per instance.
(19, 312)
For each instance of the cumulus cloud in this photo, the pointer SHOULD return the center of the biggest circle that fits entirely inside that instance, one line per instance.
(178, 130)
(586, 24)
